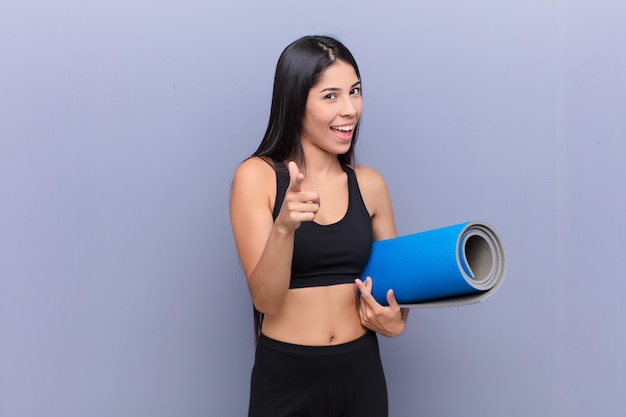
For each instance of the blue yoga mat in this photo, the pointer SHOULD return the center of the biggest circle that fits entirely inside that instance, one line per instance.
(451, 266)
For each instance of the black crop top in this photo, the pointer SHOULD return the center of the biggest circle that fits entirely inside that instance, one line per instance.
(329, 254)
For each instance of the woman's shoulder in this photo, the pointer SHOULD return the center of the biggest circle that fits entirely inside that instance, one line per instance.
(255, 173)
(255, 167)
(368, 178)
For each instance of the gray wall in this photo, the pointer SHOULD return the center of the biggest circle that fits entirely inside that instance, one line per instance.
(121, 124)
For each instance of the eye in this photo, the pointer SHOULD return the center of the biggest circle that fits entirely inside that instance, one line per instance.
(356, 91)
(330, 96)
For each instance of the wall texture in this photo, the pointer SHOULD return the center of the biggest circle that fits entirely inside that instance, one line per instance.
(121, 124)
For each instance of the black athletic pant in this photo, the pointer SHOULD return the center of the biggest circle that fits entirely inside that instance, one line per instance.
(344, 380)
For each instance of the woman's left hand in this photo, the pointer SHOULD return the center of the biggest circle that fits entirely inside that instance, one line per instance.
(389, 321)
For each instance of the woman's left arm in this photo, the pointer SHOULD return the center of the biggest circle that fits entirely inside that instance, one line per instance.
(389, 321)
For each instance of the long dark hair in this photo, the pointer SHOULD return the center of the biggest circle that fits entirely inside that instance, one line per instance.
(298, 69)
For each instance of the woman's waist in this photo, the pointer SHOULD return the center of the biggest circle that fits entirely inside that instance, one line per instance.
(317, 316)
(366, 339)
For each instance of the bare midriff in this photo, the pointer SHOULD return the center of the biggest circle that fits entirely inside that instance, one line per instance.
(317, 316)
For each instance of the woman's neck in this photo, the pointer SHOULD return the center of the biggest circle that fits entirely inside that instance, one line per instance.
(319, 163)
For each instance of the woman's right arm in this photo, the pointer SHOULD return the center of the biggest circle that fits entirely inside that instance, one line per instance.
(265, 246)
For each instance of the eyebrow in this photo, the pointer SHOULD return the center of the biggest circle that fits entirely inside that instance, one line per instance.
(337, 88)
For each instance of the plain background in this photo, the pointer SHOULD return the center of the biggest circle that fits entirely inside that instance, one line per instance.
(121, 123)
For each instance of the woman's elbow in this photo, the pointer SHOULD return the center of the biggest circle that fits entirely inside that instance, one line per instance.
(267, 305)
(267, 298)
(269, 309)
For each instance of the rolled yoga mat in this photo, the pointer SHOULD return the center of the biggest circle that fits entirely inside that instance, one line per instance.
(451, 266)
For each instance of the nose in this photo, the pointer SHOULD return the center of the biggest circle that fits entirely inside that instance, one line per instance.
(349, 106)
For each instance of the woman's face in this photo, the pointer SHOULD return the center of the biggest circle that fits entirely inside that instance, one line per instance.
(333, 109)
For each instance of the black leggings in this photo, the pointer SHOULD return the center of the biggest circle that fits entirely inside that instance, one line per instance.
(344, 380)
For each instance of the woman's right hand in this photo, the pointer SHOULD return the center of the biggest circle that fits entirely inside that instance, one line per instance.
(298, 206)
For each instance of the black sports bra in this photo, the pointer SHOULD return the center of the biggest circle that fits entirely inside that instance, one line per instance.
(329, 254)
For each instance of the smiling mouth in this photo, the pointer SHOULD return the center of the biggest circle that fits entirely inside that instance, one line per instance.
(343, 128)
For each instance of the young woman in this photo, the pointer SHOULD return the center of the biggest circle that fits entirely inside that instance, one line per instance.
(304, 218)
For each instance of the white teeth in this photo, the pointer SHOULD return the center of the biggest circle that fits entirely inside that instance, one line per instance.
(344, 128)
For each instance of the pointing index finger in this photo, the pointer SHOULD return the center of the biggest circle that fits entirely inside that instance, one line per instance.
(295, 177)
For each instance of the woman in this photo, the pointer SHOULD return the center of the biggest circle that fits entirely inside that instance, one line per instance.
(304, 218)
